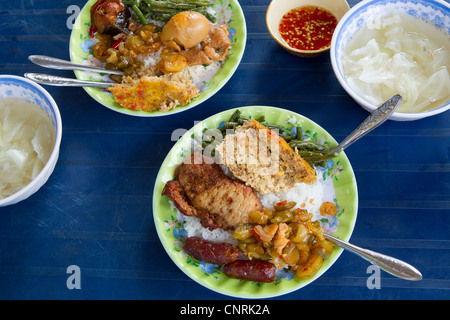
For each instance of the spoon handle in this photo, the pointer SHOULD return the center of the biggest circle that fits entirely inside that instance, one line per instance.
(54, 63)
(389, 264)
(68, 82)
(376, 118)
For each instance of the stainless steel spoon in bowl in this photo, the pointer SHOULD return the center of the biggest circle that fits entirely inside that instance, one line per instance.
(65, 82)
(59, 64)
(376, 118)
(389, 264)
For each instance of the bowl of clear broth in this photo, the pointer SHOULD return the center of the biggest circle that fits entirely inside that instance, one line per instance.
(30, 131)
(304, 27)
(385, 47)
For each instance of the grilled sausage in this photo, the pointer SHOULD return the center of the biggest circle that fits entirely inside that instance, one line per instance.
(215, 253)
(252, 270)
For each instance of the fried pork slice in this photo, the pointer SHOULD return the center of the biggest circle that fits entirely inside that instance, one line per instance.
(202, 189)
(217, 43)
(263, 160)
(152, 93)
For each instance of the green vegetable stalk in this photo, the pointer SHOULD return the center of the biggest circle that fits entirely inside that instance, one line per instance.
(163, 10)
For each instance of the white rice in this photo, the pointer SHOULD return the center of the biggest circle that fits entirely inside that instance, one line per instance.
(199, 74)
(308, 197)
(152, 58)
(195, 229)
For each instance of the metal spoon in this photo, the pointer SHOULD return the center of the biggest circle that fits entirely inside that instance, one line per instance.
(54, 63)
(389, 264)
(61, 81)
(376, 118)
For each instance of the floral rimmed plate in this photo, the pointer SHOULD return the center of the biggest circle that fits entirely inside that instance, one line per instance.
(171, 232)
(227, 11)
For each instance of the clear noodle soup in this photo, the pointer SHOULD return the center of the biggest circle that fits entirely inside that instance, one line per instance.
(27, 137)
(401, 54)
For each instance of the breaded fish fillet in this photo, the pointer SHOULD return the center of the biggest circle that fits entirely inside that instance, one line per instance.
(263, 160)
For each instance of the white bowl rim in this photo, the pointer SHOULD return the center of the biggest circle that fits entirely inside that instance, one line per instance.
(353, 94)
(55, 152)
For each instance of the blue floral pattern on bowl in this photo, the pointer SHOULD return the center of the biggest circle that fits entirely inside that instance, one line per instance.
(12, 86)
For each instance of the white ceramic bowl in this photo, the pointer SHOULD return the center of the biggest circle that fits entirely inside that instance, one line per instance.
(278, 8)
(436, 12)
(14, 86)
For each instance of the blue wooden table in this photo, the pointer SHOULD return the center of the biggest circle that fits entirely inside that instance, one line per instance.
(95, 211)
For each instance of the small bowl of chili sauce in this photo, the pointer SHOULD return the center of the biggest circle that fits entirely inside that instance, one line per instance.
(304, 27)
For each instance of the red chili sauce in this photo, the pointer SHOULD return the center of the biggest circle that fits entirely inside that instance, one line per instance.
(308, 28)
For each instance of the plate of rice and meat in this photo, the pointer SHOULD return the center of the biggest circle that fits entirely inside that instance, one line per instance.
(243, 200)
(174, 54)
